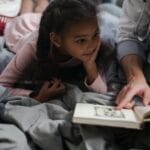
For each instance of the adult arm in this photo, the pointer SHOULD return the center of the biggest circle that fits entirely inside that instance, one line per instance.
(136, 83)
(126, 39)
(131, 55)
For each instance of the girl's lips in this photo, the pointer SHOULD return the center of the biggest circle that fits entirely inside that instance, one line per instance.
(90, 53)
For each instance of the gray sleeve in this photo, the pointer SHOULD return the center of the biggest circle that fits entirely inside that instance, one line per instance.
(126, 40)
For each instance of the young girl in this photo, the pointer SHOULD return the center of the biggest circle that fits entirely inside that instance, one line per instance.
(66, 43)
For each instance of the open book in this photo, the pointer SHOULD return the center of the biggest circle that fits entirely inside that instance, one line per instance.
(102, 115)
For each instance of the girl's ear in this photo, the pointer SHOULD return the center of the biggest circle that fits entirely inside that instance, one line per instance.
(55, 39)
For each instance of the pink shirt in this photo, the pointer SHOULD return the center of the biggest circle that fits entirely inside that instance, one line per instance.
(22, 40)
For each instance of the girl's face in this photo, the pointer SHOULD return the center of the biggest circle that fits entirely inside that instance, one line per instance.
(81, 40)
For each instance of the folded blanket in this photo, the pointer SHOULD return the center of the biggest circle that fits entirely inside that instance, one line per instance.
(32, 125)
(47, 124)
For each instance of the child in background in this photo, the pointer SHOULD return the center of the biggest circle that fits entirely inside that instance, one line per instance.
(7, 12)
(19, 8)
(66, 43)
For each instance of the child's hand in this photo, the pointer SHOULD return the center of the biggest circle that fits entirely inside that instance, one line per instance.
(50, 89)
(91, 59)
(91, 67)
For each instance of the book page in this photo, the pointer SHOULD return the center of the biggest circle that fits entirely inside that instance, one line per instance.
(104, 112)
(142, 112)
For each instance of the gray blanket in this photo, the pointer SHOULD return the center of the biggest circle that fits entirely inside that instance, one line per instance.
(5, 54)
(27, 124)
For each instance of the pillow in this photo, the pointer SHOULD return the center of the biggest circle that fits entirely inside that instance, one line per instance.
(10, 8)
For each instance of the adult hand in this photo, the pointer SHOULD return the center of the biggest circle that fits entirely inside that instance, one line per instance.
(50, 89)
(134, 87)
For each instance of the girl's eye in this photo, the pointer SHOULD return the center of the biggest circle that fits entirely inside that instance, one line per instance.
(81, 41)
(97, 34)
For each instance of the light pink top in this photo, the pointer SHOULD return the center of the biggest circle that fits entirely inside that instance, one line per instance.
(22, 41)
(19, 28)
